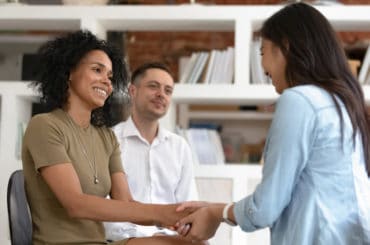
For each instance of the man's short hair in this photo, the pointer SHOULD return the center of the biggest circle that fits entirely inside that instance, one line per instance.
(140, 71)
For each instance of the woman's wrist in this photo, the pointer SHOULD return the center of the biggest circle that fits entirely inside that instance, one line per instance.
(216, 211)
(227, 214)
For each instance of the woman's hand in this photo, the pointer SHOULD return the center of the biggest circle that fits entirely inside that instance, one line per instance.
(201, 224)
(168, 215)
(191, 206)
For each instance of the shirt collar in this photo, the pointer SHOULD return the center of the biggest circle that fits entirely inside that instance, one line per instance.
(131, 130)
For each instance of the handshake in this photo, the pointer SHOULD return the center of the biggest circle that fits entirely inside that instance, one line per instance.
(197, 221)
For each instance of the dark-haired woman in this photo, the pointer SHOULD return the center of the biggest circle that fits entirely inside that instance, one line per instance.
(315, 188)
(71, 158)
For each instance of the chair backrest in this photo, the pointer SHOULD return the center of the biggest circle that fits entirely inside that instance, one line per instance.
(18, 211)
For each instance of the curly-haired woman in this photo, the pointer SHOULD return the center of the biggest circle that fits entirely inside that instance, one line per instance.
(71, 158)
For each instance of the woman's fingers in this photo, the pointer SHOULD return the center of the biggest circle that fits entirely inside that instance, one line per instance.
(191, 206)
(184, 225)
(183, 230)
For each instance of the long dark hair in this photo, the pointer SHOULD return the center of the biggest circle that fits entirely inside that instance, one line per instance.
(314, 56)
(60, 56)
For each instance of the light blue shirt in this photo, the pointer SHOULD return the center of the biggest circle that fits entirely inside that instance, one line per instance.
(314, 189)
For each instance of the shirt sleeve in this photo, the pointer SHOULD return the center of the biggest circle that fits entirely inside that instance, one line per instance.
(45, 142)
(286, 153)
(115, 162)
(186, 189)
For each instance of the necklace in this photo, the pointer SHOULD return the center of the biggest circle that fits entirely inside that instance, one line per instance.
(92, 164)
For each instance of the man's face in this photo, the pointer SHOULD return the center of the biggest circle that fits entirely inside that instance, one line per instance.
(151, 95)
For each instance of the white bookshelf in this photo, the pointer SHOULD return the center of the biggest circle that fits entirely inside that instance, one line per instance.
(16, 97)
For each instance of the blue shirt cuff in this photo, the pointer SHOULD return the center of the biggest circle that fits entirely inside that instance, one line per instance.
(243, 212)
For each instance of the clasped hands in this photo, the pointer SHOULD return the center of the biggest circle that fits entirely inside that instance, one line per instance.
(199, 221)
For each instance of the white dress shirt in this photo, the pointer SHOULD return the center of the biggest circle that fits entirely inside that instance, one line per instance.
(161, 172)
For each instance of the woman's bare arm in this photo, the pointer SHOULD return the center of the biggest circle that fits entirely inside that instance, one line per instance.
(64, 183)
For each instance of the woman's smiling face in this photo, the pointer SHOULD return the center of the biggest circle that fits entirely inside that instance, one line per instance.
(274, 64)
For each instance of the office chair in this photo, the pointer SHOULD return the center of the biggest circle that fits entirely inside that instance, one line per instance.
(18, 212)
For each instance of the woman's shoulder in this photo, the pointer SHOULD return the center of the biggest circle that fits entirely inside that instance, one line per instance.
(106, 132)
(48, 117)
(314, 96)
(50, 120)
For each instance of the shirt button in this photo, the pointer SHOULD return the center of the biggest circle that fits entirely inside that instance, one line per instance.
(250, 211)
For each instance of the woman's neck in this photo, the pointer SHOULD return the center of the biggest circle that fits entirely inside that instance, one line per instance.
(80, 117)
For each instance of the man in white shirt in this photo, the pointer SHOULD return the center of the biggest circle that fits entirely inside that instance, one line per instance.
(158, 163)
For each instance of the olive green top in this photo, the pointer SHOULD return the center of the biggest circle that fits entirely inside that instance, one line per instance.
(53, 138)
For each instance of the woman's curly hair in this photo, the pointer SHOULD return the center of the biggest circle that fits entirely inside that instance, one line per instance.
(60, 56)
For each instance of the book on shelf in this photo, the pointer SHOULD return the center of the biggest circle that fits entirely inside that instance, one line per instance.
(214, 67)
(188, 67)
(229, 67)
(210, 67)
(364, 74)
(194, 67)
(257, 73)
(183, 61)
(205, 144)
(217, 72)
(198, 68)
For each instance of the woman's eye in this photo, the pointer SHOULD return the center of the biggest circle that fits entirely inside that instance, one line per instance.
(97, 69)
